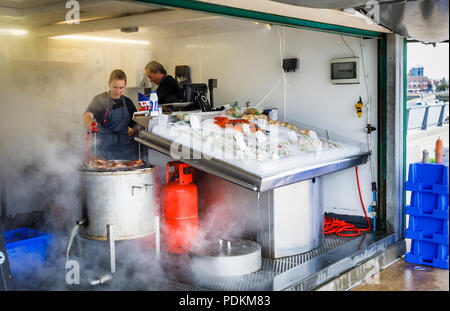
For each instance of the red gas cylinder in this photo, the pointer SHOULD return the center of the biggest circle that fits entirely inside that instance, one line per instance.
(179, 206)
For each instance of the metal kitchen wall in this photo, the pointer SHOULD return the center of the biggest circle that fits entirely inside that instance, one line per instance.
(391, 100)
(247, 64)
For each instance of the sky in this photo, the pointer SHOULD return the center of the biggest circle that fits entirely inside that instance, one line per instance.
(433, 59)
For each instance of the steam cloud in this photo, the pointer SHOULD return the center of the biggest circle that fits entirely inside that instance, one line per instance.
(42, 140)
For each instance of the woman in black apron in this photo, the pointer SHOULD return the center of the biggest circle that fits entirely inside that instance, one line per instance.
(112, 111)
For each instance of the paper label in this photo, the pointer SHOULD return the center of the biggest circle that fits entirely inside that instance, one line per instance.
(246, 128)
(195, 122)
(292, 136)
(240, 140)
(162, 118)
(260, 136)
(262, 123)
(313, 135)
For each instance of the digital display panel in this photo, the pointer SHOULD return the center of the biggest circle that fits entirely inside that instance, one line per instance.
(345, 70)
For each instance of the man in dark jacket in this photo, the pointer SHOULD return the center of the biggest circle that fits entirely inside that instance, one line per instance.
(168, 90)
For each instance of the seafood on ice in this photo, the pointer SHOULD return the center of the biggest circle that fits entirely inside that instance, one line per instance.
(111, 164)
(247, 138)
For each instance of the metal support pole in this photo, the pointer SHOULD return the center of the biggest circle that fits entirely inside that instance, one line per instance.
(112, 251)
(441, 116)
(425, 118)
(394, 135)
(407, 117)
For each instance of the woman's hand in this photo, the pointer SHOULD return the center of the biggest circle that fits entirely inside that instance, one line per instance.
(134, 131)
(88, 121)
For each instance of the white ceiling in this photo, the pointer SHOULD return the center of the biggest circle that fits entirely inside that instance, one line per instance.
(39, 13)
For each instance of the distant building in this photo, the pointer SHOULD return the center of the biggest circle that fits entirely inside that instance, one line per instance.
(416, 71)
(417, 82)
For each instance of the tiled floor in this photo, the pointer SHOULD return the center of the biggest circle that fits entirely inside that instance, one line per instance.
(403, 276)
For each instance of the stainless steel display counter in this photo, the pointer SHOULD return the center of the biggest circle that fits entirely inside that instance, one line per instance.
(282, 211)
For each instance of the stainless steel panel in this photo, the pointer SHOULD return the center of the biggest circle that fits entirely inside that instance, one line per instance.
(422, 20)
(124, 199)
(226, 210)
(292, 219)
(285, 221)
(309, 172)
(395, 156)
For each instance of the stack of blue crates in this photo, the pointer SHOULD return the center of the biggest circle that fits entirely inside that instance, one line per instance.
(428, 214)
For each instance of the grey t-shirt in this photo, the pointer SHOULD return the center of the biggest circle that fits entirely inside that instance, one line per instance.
(104, 101)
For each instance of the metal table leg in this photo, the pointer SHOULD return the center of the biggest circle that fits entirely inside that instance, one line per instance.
(112, 251)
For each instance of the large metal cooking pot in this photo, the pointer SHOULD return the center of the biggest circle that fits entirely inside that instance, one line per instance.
(123, 198)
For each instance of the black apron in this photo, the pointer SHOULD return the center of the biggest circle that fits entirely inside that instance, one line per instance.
(113, 140)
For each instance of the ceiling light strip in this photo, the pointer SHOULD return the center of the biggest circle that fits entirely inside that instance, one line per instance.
(100, 39)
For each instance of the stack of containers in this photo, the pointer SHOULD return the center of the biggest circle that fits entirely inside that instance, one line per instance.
(428, 214)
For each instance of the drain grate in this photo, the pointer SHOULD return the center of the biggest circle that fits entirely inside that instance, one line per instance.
(281, 265)
(253, 281)
(263, 278)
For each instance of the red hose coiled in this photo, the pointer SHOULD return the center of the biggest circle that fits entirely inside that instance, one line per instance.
(338, 226)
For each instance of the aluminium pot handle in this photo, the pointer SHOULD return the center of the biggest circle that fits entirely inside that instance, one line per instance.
(146, 186)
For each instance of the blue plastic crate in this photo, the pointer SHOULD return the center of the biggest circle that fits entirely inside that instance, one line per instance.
(428, 253)
(437, 238)
(438, 213)
(430, 203)
(27, 249)
(426, 187)
(428, 226)
(428, 214)
(428, 174)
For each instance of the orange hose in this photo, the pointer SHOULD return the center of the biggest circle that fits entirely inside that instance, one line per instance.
(338, 226)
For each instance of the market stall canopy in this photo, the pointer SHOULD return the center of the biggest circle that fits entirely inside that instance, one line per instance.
(421, 20)
(325, 16)
(47, 17)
